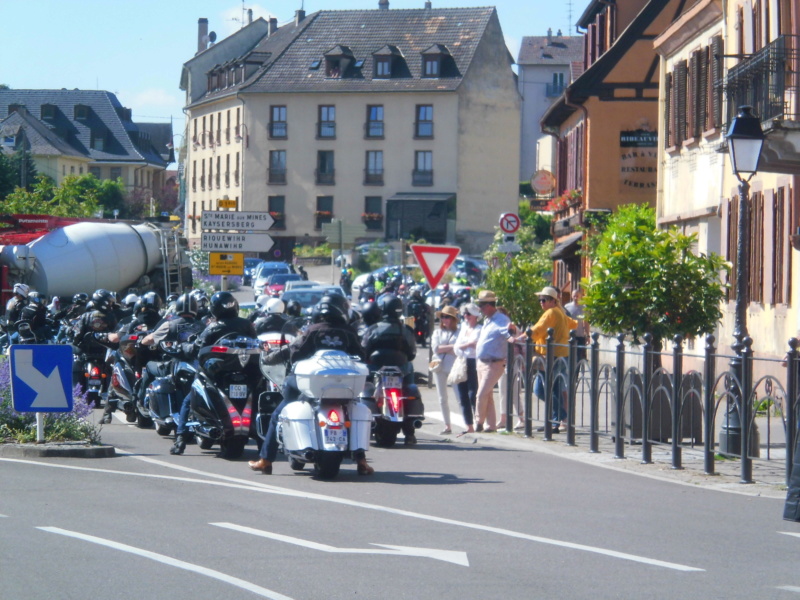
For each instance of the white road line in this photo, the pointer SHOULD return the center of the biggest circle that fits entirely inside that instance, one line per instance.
(271, 489)
(173, 562)
(789, 588)
(3, 516)
(791, 533)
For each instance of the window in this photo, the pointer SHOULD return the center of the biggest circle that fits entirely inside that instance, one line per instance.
(219, 171)
(48, 111)
(556, 88)
(194, 175)
(277, 167)
(219, 130)
(383, 67)
(373, 213)
(228, 127)
(756, 248)
(324, 212)
(423, 168)
(373, 173)
(236, 170)
(430, 66)
(115, 173)
(277, 210)
(95, 171)
(81, 111)
(326, 128)
(210, 173)
(780, 235)
(227, 170)
(423, 127)
(202, 174)
(277, 124)
(98, 141)
(325, 170)
(374, 121)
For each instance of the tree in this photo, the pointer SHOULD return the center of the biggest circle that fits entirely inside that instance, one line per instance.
(649, 280)
(81, 196)
(11, 172)
(517, 283)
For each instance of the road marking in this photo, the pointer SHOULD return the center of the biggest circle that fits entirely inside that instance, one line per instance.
(789, 588)
(791, 533)
(173, 562)
(3, 516)
(238, 483)
(452, 556)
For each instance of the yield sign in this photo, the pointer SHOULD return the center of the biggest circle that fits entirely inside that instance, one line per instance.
(435, 260)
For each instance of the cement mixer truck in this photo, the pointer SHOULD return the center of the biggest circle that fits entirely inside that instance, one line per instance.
(67, 256)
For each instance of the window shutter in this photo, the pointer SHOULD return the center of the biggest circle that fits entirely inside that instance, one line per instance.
(716, 80)
(668, 111)
(694, 95)
(702, 90)
(681, 131)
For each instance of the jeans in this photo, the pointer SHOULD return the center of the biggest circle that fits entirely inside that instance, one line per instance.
(559, 389)
(183, 415)
(468, 391)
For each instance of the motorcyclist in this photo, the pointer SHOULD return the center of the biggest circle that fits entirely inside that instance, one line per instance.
(146, 313)
(346, 282)
(421, 312)
(15, 305)
(35, 314)
(272, 317)
(461, 278)
(446, 296)
(203, 305)
(294, 309)
(225, 310)
(368, 290)
(463, 297)
(390, 343)
(329, 330)
(258, 311)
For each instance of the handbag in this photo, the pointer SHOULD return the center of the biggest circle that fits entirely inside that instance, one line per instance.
(435, 365)
(459, 371)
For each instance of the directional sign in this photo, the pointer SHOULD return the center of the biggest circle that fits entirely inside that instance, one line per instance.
(235, 242)
(435, 260)
(509, 222)
(225, 264)
(239, 221)
(41, 378)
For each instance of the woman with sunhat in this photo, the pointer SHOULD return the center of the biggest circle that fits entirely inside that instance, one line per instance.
(442, 346)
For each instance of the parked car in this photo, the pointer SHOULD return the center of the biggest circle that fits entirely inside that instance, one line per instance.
(250, 267)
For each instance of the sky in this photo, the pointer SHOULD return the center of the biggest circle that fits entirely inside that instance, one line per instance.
(136, 49)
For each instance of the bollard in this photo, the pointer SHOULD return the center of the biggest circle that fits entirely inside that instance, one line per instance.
(677, 359)
(709, 407)
(619, 447)
(594, 409)
(571, 386)
(509, 399)
(791, 408)
(528, 387)
(548, 386)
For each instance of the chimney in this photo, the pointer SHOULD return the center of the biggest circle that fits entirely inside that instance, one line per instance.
(249, 16)
(299, 15)
(559, 34)
(273, 25)
(549, 35)
(202, 35)
(383, 4)
(428, 5)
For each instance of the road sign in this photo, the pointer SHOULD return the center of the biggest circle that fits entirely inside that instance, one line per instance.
(235, 242)
(543, 182)
(41, 378)
(225, 203)
(435, 260)
(340, 233)
(225, 264)
(509, 222)
(239, 221)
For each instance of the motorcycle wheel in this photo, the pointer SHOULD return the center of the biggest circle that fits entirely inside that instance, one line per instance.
(296, 465)
(327, 466)
(144, 422)
(231, 449)
(385, 434)
(164, 429)
(204, 443)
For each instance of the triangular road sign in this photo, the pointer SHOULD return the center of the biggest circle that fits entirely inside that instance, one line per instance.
(435, 260)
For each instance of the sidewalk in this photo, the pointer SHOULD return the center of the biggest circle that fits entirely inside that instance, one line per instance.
(769, 476)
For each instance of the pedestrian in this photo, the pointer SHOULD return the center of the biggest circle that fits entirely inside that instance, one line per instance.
(465, 345)
(554, 317)
(442, 345)
(491, 353)
(502, 384)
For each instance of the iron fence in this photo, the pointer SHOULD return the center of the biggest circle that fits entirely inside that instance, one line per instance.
(672, 402)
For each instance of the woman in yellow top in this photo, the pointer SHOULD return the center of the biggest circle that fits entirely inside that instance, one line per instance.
(554, 317)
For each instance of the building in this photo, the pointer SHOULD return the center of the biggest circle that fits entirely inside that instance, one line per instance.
(713, 62)
(606, 124)
(405, 121)
(74, 132)
(546, 65)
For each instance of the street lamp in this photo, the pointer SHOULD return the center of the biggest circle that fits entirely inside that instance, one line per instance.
(745, 140)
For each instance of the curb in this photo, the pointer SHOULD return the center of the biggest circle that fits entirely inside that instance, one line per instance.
(54, 449)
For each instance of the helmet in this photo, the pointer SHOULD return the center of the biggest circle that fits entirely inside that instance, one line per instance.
(370, 279)
(371, 313)
(261, 301)
(344, 271)
(337, 300)
(224, 305)
(446, 287)
(149, 301)
(461, 275)
(102, 300)
(80, 299)
(186, 304)
(275, 306)
(21, 289)
(36, 298)
(130, 300)
(293, 308)
(391, 307)
(171, 298)
(328, 311)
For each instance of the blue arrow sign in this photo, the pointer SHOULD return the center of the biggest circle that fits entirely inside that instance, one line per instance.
(41, 378)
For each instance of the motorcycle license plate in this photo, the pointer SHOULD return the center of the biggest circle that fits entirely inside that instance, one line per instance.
(393, 381)
(94, 382)
(335, 436)
(237, 391)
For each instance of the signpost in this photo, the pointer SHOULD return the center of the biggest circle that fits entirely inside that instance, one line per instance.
(509, 224)
(238, 221)
(235, 242)
(434, 260)
(225, 264)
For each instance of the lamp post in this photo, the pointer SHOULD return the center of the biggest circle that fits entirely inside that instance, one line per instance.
(745, 140)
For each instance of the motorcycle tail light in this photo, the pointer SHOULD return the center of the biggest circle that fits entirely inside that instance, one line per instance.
(219, 349)
(393, 394)
(246, 417)
(95, 372)
(236, 418)
(133, 338)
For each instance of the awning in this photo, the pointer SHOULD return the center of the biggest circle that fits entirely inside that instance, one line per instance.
(567, 246)
(410, 196)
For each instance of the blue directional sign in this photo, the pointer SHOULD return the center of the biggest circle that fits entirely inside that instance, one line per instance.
(41, 378)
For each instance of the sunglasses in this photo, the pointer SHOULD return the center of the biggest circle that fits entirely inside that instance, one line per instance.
(543, 300)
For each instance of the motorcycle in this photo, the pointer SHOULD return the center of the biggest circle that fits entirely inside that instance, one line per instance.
(124, 379)
(392, 403)
(164, 396)
(225, 391)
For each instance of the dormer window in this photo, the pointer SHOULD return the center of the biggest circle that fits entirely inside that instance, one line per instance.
(48, 111)
(333, 68)
(383, 67)
(337, 60)
(98, 141)
(433, 60)
(388, 61)
(431, 66)
(81, 112)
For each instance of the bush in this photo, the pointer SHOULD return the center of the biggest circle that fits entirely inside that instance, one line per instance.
(58, 427)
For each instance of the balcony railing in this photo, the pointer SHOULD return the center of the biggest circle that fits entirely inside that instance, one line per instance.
(325, 177)
(423, 129)
(373, 129)
(421, 177)
(276, 176)
(278, 130)
(553, 90)
(767, 81)
(326, 129)
(372, 177)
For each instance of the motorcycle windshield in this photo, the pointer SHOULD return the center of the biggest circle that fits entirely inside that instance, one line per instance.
(272, 342)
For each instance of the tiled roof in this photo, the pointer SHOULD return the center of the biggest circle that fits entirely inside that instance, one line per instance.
(106, 114)
(40, 139)
(294, 47)
(160, 135)
(550, 50)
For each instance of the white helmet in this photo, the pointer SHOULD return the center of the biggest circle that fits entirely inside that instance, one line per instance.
(130, 300)
(275, 306)
(261, 301)
(21, 289)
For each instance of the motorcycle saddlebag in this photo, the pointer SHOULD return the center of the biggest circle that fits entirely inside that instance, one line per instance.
(162, 398)
(299, 431)
(360, 425)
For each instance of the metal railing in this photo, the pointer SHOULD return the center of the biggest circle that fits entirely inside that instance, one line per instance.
(626, 398)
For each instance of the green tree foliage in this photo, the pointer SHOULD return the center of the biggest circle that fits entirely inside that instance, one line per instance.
(649, 280)
(81, 196)
(10, 172)
(516, 284)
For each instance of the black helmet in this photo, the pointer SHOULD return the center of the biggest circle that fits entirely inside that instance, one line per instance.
(149, 301)
(224, 305)
(391, 307)
(370, 313)
(80, 299)
(329, 311)
(171, 298)
(337, 300)
(293, 308)
(186, 304)
(103, 300)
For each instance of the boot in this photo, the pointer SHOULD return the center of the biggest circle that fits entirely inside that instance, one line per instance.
(363, 468)
(179, 446)
(410, 440)
(105, 418)
(262, 464)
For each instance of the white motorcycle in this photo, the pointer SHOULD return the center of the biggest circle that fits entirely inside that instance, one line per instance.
(329, 422)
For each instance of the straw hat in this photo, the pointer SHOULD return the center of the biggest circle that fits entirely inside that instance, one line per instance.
(550, 292)
(449, 311)
(486, 296)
